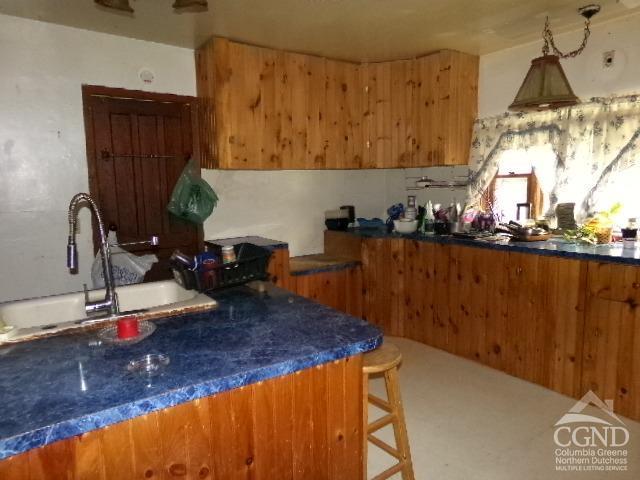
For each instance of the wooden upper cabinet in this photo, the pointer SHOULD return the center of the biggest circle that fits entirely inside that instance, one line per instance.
(446, 103)
(267, 109)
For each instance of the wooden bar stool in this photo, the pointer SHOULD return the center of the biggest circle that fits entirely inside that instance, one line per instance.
(386, 360)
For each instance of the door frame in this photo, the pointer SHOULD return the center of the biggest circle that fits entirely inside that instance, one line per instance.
(89, 91)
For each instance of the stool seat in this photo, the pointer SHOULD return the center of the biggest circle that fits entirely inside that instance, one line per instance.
(381, 359)
(386, 359)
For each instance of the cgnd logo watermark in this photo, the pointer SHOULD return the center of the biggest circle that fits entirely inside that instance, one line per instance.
(589, 442)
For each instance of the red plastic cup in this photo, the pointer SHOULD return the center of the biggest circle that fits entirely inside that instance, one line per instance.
(128, 327)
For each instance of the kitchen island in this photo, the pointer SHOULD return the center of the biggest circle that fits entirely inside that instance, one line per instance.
(561, 315)
(267, 386)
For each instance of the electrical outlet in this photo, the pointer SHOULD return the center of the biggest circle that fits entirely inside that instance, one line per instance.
(608, 59)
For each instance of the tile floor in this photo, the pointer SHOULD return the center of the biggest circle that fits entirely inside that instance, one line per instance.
(470, 422)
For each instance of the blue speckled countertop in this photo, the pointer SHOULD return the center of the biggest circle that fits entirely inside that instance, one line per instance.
(613, 253)
(55, 388)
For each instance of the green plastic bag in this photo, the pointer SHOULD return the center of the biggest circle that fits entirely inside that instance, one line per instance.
(192, 199)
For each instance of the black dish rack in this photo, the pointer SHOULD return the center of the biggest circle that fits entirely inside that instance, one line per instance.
(251, 264)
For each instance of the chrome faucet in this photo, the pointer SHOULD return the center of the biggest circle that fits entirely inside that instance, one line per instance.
(110, 302)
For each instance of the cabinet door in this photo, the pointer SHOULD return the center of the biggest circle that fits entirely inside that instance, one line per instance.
(289, 113)
(316, 113)
(377, 121)
(545, 305)
(611, 366)
(457, 105)
(446, 106)
(470, 269)
(426, 293)
(263, 128)
(354, 107)
(383, 284)
(267, 109)
(344, 98)
(247, 101)
(428, 150)
(402, 112)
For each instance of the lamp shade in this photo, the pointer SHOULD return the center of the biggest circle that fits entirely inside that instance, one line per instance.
(178, 4)
(122, 5)
(545, 87)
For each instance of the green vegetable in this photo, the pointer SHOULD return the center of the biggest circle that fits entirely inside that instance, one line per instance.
(587, 233)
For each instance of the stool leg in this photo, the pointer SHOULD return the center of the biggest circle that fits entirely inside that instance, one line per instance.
(365, 423)
(399, 425)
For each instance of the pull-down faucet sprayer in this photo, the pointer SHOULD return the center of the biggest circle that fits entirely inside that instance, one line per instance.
(110, 302)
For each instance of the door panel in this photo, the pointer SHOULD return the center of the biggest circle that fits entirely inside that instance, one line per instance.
(137, 149)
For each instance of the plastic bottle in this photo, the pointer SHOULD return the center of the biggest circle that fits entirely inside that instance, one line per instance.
(429, 219)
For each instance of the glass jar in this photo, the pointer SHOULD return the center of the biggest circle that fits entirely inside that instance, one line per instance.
(630, 234)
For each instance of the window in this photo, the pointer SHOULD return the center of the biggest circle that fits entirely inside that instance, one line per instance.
(515, 193)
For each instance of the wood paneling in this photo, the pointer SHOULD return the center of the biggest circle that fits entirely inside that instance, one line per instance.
(383, 283)
(279, 268)
(520, 313)
(342, 244)
(612, 336)
(301, 426)
(341, 289)
(403, 121)
(265, 109)
(316, 119)
(377, 126)
(446, 93)
(568, 325)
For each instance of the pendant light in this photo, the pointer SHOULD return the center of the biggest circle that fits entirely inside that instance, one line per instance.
(182, 4)
(122, 5)
(546, 86)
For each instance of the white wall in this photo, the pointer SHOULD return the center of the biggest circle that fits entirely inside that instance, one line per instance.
(502, 73)
(290, 205)
(42, 142)
(43, 158)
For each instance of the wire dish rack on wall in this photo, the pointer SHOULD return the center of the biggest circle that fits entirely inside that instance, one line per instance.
(454, 182)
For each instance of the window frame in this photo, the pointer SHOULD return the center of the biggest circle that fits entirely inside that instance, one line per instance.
(534, 193)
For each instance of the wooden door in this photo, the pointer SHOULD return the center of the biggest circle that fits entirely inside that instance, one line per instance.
(137, 146)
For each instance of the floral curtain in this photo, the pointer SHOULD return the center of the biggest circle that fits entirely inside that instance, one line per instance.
(594, 145)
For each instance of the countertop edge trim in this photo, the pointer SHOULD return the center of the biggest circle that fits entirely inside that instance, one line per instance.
(327, 268)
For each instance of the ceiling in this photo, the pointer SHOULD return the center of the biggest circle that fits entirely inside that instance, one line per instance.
(358, 30)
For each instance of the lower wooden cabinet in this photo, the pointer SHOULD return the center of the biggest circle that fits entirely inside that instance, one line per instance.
(341, 289)
(279, 268)
(611, 366)
(566, 324)
(306, 425)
